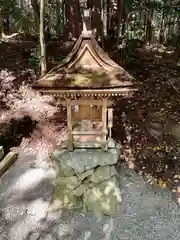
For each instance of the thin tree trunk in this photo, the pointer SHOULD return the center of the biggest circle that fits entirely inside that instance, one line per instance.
(2, 34)
(119, 12)
(177, 52)
(41, 38)
(96, 16)
(73, 19)
(124, 17)
(162, 30)
(120, 31)
(145, 25)
(21, 4)
(102, 22)
(63, 11)
(89, 4)
(177, 49)
(169, 32)
(58, 13)
(149, 26)
(108, 16)
(35, 6)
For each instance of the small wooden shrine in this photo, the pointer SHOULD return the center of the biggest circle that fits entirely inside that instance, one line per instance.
(87, 80)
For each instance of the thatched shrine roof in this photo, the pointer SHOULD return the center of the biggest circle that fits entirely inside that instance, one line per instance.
(86, 70)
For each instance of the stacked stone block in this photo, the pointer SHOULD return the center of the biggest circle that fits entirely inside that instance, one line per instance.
(87, 178)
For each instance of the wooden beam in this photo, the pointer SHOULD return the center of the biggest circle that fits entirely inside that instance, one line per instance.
(69, 125)
(87, 102)
(89, 132)
(120, 90)
(97, 102)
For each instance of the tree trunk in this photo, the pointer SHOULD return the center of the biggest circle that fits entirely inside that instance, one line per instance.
(149, 16)
(108, 16)
(121, 41)
(89, 4)
(41, 38)
(124, 18)
(35, 6)
(119, 13)
(103, 22)
(21, 4)
(162, 28)
(58, 13)
(2, 34)
(177, 49)
(96, 22)
(73, 19)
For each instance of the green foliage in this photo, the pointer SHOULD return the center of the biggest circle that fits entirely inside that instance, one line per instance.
(34, 59)
(136, 32)
(9, 6)
(59, 26)
(10, 12)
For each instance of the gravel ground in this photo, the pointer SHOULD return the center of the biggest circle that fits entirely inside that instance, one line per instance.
(146, 213)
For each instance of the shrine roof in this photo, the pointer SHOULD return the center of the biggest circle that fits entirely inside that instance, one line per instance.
(86, 67)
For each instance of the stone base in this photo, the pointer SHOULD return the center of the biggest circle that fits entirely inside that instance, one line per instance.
(88, 178)
(103, 198)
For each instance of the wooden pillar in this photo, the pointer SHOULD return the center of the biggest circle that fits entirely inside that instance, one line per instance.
(104, 124)
(69, 125)
(110, 121)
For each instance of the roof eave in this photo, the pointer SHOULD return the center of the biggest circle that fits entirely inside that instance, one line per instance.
(71, 93)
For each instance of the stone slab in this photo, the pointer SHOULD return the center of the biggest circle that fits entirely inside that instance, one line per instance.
(79, 191)
(84, 175)
(81, 160)
(67, 184)
(62, 169)
(104, 198)
(102, 174)
(63, 200)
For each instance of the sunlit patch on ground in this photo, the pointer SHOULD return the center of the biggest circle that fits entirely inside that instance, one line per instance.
(29, 179)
